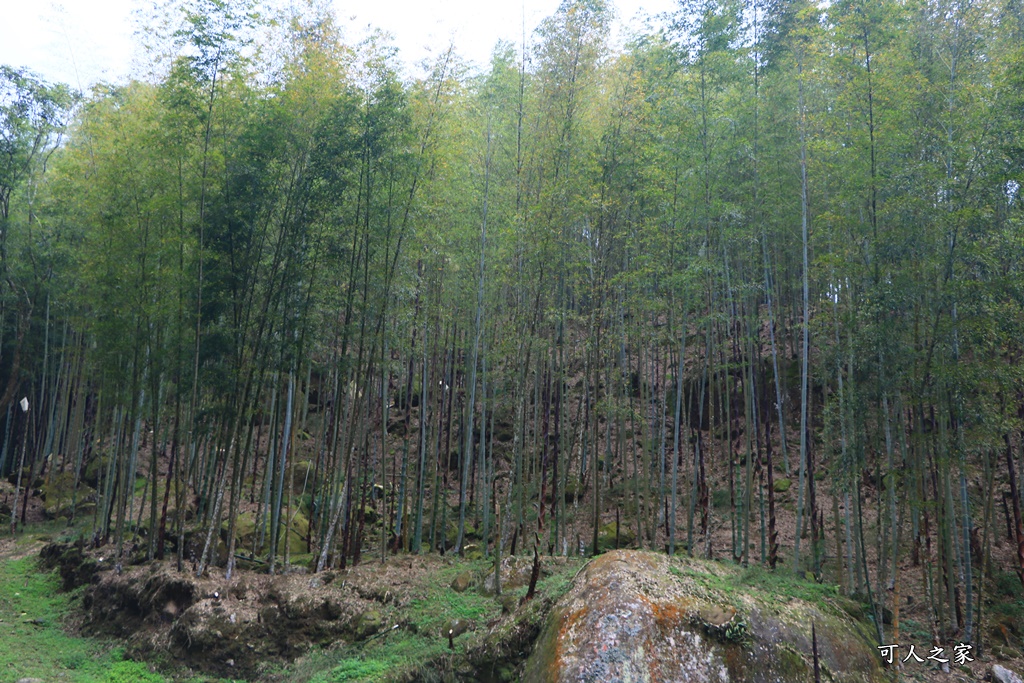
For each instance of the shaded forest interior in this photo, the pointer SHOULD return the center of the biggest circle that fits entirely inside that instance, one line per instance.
(749, 287)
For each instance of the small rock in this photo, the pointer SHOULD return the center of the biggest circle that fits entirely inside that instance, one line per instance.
(717, 616)
(1000, 674)
(30, 680)
(462, 582)
(489, 586)
(456, 627)
(1000, 653)
(368, 623)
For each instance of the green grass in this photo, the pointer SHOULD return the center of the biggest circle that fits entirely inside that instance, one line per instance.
(758, 579)
(782, 583)
(131, 672)
(355, 670)
(434, 611)
(386, 658)
(36, 646)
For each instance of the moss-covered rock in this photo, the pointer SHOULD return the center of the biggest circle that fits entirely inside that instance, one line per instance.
(456, 627)
(59, 495)
(608, 540)
(574, 491)
(300, 470)
(369, 514)
(368, 623)
(462, 582)
(295, 535)
(95, 469)
(472, 551)
(640, 616)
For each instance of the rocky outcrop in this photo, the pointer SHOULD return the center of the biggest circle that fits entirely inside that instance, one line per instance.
(626, 616)
(643, 617)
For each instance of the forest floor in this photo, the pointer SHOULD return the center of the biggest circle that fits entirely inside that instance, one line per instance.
(150, 624)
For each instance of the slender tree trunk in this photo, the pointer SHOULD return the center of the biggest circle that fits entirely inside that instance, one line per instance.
(805, 324)
(1018, 523)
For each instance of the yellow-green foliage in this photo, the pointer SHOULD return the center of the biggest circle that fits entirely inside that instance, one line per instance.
(131, 672)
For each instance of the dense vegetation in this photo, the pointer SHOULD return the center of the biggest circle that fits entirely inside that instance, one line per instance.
(297, 290)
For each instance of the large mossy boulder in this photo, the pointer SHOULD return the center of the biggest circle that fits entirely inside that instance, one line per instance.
(59, 496)
(644, 617)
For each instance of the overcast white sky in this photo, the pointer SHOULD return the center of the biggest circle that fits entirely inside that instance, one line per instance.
(83, 41)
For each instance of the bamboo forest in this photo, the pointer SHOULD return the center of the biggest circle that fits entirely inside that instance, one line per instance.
(740, 288)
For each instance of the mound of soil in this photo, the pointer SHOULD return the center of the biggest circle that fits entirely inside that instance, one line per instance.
(225, 628)
(252, 624)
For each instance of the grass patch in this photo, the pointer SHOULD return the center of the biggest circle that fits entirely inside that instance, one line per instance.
(131, 672)
(354, 670)
(394, 656)
(34, 644)
(436, 610)
(420, 641)
(780, 583)
(757, 579)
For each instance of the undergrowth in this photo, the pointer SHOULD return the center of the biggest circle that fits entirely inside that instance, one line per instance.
(34, 644)
(419, 649)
